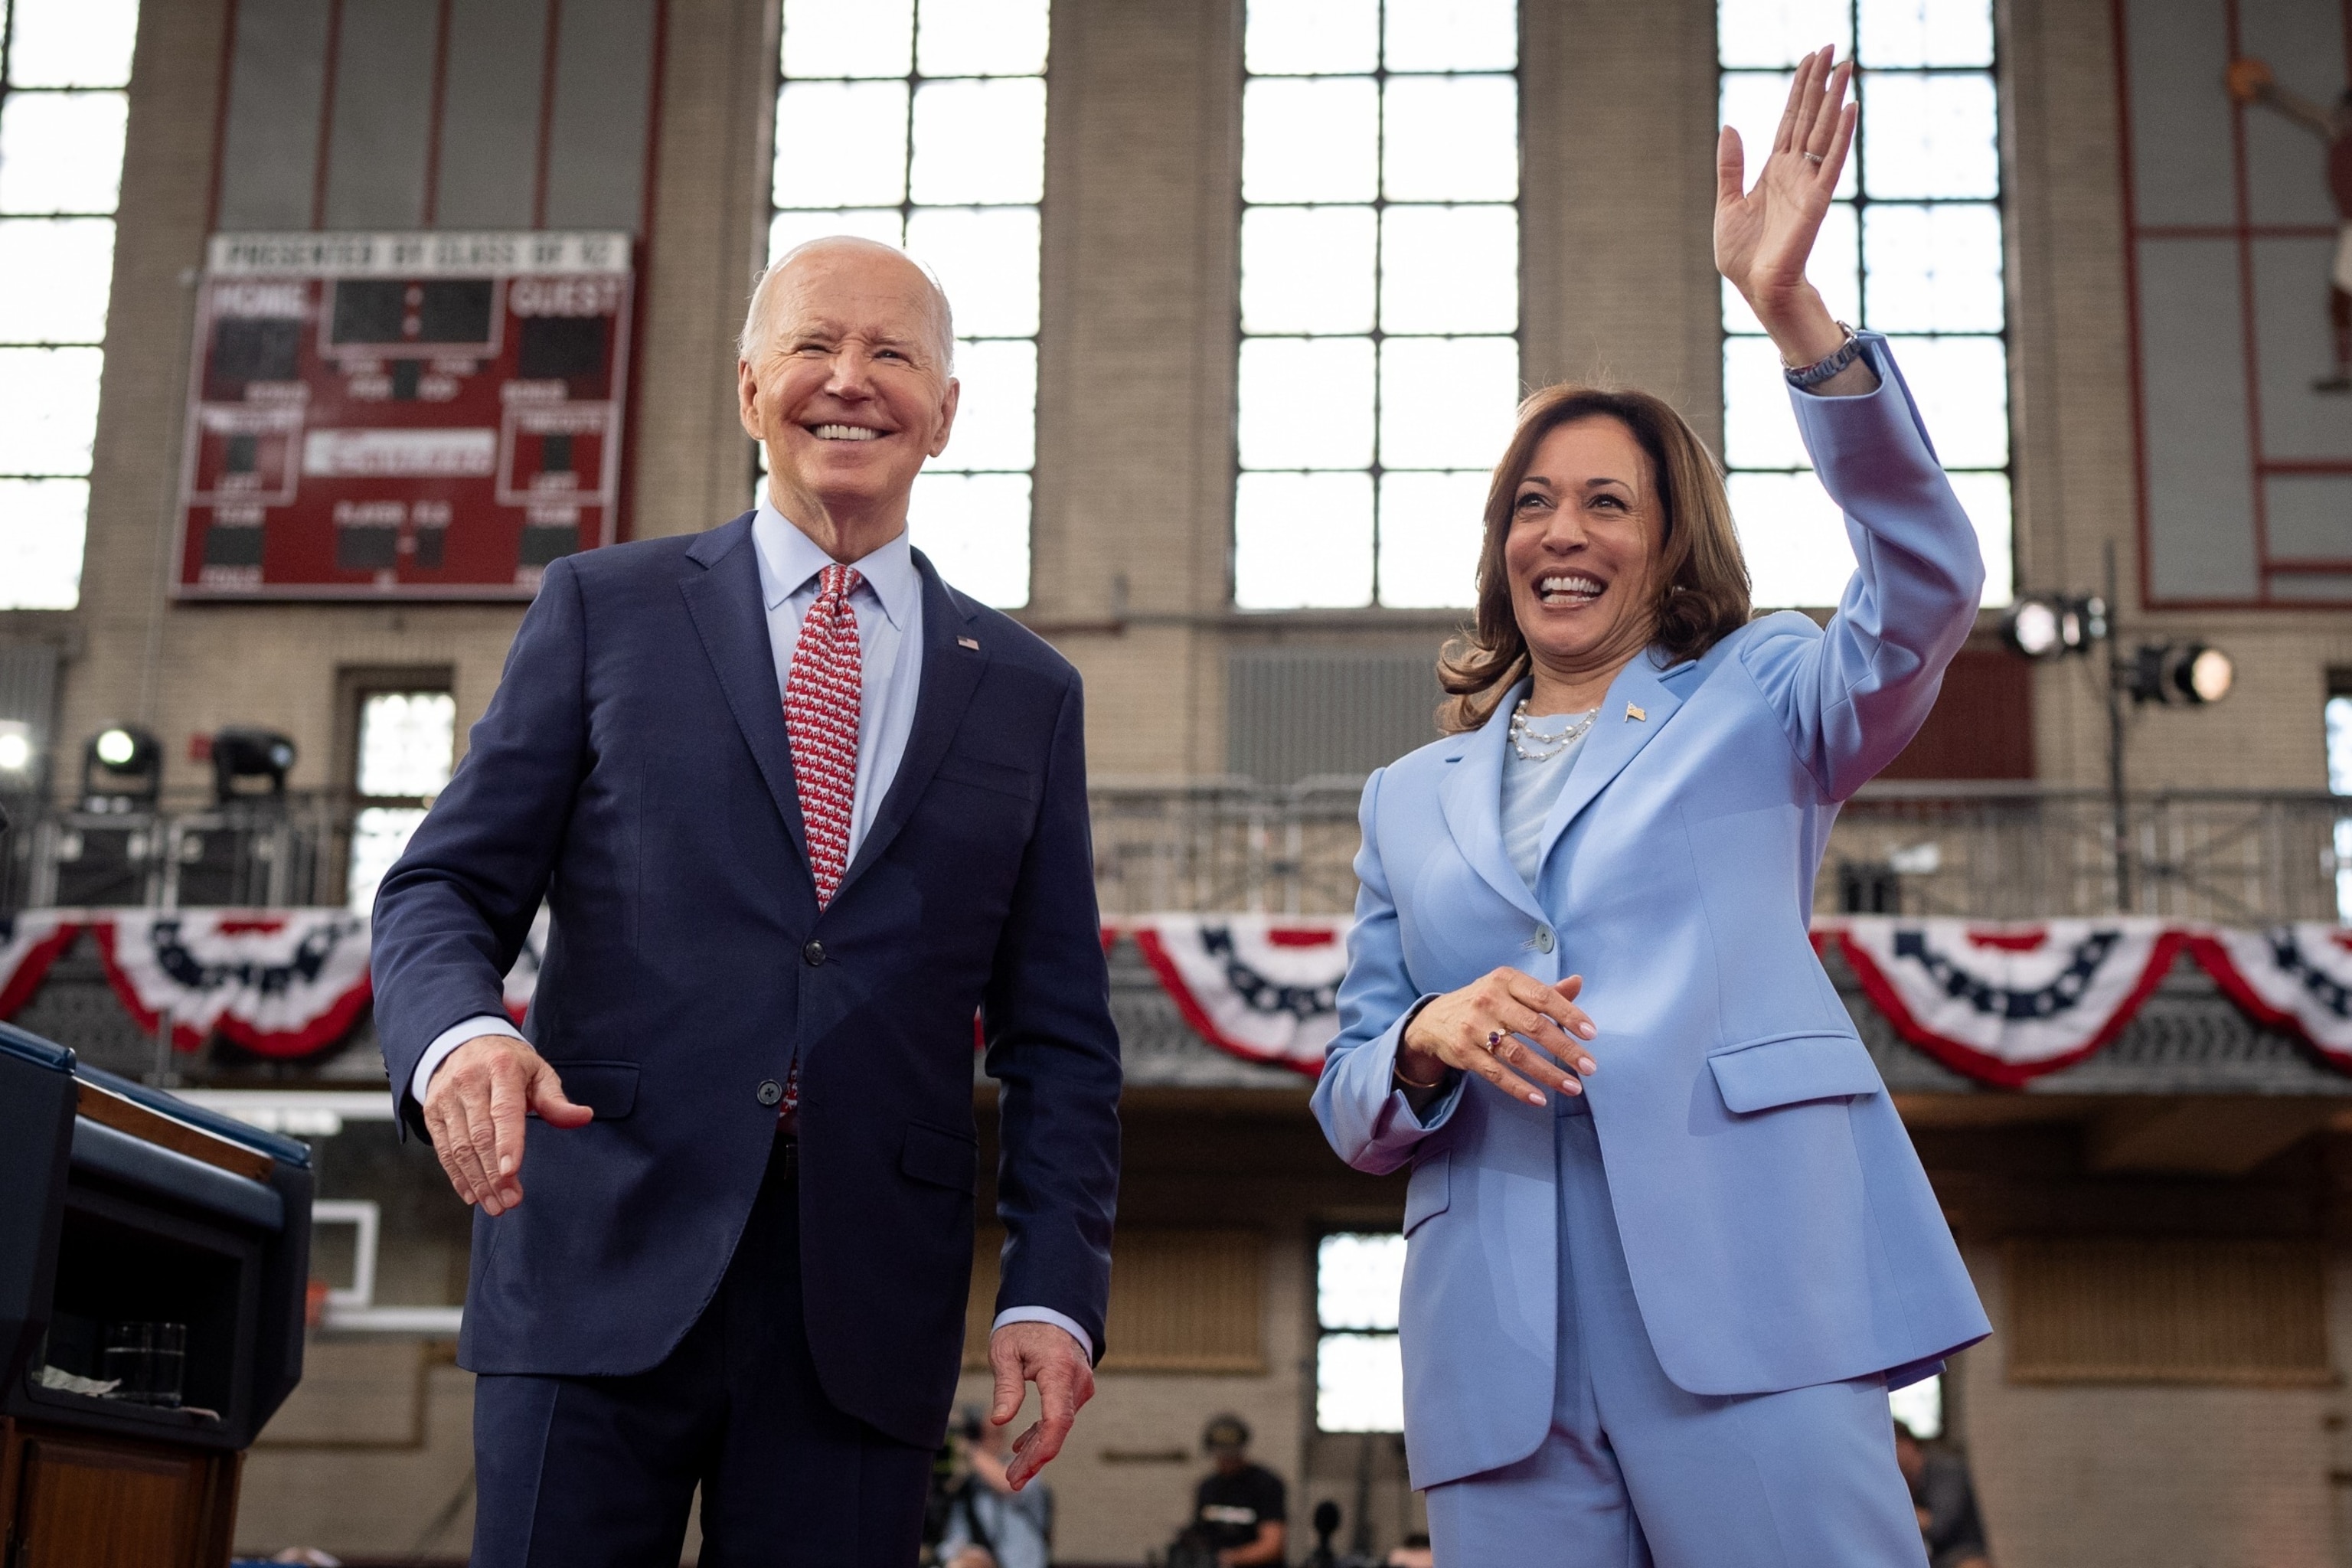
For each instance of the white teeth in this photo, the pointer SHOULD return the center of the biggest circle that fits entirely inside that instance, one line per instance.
(844, 433)
(1578, 587)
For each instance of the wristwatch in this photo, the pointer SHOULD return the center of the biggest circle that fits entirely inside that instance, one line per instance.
(1807, 377)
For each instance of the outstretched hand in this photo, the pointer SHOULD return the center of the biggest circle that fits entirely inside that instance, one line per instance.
(1044, 1355)
(473, 1111)
(1763, 236)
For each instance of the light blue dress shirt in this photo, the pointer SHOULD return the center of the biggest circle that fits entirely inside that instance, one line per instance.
(889, 605)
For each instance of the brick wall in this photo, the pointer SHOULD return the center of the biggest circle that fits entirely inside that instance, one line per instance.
(2076, 490)
(2142, 1474)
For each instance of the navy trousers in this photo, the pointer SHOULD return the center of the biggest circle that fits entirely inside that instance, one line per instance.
(1638, 1473)
(600, 1472)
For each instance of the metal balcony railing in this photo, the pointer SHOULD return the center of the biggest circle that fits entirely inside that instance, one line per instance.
(266, 851)
(1225, 844)
(1980, 851)
(1995, 852)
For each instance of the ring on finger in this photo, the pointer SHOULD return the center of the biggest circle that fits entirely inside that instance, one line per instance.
(1494, 1038)
(1812, 157)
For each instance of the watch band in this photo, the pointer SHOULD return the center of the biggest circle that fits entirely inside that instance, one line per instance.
(1807, 377)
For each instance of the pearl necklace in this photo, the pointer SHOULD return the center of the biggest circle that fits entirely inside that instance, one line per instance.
(1546, 746)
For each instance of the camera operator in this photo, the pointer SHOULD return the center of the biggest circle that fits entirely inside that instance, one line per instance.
(985, 1524)
(1239, 1509)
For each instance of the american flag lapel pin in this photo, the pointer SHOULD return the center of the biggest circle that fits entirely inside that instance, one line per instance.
(972, 643)
(1636, 715)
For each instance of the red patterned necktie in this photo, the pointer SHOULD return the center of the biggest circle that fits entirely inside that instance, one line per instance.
(821, 697)
(821, 708)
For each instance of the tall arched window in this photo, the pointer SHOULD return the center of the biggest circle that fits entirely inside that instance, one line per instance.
(64, 69)
(1912, 248)
(1380, 297)
(922, 122)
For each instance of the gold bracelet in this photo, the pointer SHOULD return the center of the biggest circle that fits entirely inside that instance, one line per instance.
(1398, 1073)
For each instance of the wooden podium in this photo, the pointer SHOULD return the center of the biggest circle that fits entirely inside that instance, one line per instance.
(75, 1500)
(124, 1203)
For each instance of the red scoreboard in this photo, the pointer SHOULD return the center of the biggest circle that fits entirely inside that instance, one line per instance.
(402, 415)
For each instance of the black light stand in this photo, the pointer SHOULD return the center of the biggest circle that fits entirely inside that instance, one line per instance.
(2119, 812)
(2043, 627)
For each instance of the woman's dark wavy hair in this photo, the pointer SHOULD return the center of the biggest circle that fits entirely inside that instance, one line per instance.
(1702, 595)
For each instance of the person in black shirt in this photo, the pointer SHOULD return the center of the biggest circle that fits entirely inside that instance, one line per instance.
(1946, 1501)
(1240, 1509)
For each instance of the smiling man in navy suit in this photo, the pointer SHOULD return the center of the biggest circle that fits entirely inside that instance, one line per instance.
(799, 809)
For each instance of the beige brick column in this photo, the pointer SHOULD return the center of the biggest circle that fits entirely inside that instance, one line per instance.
(707, 219)
(1135, 371)
(1617, 269)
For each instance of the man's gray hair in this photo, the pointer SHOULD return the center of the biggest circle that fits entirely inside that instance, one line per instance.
(755, 319)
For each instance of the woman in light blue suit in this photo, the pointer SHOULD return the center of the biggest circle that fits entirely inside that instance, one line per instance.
(1653, 1317)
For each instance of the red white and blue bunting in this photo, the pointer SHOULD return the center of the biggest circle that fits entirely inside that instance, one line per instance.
(2006, 1003)
(280, 983)
(2002, 1004)
(2292, 977)
(30, 940)
(522, 979)
(1261, 987)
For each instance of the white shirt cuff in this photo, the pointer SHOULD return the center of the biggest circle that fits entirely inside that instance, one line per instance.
(448, 1040)
(1045, 1315)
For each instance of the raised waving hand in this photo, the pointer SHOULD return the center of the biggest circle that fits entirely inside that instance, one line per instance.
(1764, 235)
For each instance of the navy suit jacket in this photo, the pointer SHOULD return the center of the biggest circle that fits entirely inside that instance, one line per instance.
(633, 769)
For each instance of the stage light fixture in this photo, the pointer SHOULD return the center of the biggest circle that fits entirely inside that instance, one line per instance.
(2211, 674)
(2051, 626)
(2181, 674)
(15, 751)
(122, 765)
(2030, 627)
(240, 752)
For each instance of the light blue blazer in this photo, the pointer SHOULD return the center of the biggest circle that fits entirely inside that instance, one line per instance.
(1776, 1226)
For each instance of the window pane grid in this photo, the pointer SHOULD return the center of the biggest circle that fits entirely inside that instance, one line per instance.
(929, 119)
(1913, 248)
(2337, 718)
(64, 67)
(1379, 249)
(1359, 1374)
(407, 746)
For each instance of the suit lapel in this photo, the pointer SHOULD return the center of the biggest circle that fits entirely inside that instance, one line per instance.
(1471, 800)
(1638, 705)
(951, 673)
(723, 600)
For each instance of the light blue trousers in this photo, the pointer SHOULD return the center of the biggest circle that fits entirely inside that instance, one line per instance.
(1635, 1472)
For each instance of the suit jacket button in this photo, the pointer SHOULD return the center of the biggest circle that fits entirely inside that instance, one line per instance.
(1543, 939)
(812, 954)
(770, 1091)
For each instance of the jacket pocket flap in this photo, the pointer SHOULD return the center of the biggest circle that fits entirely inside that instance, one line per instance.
(1431, 1191)
(608, 1088)
(1018, 783)
(1790, 1068)
(941, 1158)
